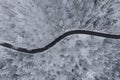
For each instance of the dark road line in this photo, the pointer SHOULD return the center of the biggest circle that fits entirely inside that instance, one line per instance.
(33, 51)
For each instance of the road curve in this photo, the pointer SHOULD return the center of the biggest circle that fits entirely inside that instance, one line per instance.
(37, 50)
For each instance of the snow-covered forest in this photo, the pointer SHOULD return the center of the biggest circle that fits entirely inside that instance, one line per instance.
(35, 23)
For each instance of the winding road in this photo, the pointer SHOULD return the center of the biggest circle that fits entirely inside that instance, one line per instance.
(37, 50)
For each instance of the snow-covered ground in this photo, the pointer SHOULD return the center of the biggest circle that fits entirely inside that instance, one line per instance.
(35, 23)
